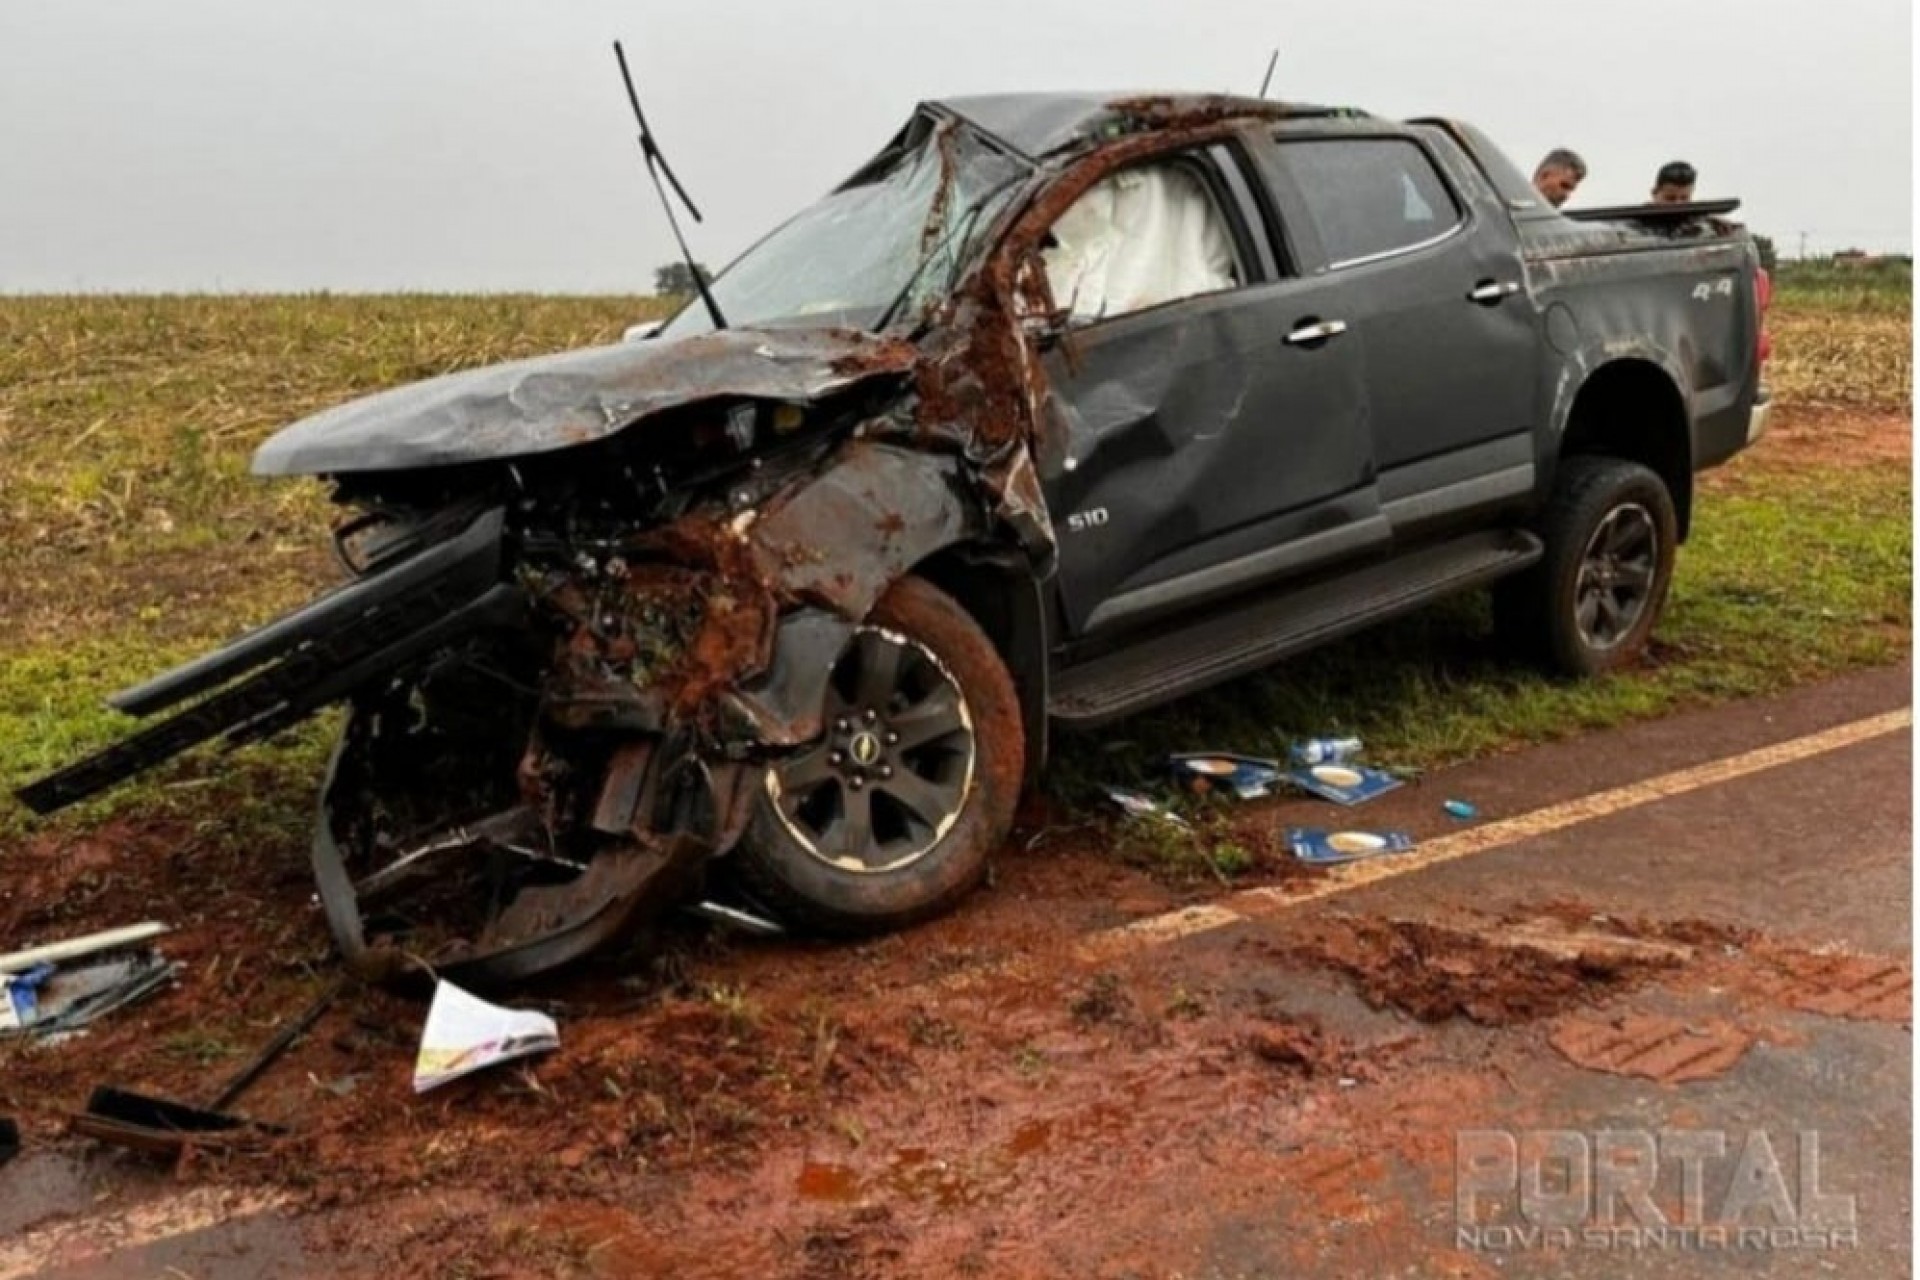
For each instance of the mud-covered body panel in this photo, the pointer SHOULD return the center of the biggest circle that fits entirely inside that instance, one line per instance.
(571, 398)
(561, 707)
(1685, 306)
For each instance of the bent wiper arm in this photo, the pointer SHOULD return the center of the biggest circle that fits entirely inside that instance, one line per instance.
(656, 165)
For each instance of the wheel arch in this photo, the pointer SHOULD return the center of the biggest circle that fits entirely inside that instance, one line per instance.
(1634, 408)
(995, 584)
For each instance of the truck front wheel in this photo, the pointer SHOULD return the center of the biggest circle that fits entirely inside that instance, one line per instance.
(890, 816)
(1591, 602)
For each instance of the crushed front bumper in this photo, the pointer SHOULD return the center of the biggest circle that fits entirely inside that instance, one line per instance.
(292, 667)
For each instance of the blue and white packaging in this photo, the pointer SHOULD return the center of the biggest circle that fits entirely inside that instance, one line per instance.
(1343, 783)
(1325, 848)
(1247, 777)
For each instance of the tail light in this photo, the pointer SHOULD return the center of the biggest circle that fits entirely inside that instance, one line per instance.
(1762, 299)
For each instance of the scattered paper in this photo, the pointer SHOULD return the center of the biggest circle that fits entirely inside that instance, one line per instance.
(1324, 848)
(465, 1034)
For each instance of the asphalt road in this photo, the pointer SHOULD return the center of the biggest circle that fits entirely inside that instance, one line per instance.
(1650, 1015)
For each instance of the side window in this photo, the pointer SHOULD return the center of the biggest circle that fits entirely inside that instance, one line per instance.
(1369, 196)
(1138, 238)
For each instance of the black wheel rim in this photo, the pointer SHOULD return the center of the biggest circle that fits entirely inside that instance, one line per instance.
(892, 772)
(1616, 577)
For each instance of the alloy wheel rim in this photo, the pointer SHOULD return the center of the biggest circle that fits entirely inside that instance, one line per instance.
(1616, 576)
(892, 771)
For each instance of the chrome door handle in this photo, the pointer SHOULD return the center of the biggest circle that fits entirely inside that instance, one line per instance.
(1491, 291)
(1319, 331)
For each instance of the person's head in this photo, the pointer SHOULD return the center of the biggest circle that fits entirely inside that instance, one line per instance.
(1674, 183)
(1558, 174)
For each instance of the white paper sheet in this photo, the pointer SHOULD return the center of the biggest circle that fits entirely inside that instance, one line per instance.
(465, 1034)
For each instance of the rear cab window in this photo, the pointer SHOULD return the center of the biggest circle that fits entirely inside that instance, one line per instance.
(1369, 198)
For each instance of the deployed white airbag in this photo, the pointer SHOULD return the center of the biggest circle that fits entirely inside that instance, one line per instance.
(1136, 239)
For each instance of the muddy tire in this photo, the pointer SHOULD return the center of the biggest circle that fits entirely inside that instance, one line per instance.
(891, 815)
(1590, 604)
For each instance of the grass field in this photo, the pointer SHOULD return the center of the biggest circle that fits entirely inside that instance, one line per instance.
(134, 537)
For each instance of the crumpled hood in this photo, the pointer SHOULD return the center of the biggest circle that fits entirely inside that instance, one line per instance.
(554, 402)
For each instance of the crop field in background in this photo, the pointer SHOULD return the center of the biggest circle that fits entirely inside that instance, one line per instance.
(133, 538)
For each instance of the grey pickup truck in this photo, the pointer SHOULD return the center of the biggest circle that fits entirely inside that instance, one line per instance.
(1061, 406)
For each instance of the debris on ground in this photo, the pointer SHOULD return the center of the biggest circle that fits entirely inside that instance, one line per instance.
(1296, 1045)
(1247, 777)
(465, 1034)
(85, 945)
(1347, 784)
(1325, 848)
(1460, 809)
(737, 918)
(46, 991)
(1325, 750)
(1476, 970)
(164, 1126)
(1139, 806)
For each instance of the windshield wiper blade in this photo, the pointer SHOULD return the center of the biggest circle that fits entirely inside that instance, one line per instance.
(656, 165)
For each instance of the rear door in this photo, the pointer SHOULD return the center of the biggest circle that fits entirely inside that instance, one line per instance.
(1215, 421)
(1432, 272)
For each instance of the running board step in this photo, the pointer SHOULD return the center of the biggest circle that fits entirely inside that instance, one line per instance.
(1205, 653)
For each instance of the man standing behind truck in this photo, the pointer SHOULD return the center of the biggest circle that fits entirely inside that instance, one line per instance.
(1558, 174)
(1674, 183)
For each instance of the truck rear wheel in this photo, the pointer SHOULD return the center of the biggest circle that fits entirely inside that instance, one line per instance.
(1590, 604)
(890, 816)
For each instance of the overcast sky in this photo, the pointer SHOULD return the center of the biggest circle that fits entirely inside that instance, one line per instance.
(485, 144)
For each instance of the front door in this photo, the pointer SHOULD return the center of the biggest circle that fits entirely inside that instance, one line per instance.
(1212, 409)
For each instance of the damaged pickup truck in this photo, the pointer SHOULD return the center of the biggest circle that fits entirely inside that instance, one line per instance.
(1060, 407)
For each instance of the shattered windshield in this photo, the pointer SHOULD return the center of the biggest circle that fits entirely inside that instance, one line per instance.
(904, 222)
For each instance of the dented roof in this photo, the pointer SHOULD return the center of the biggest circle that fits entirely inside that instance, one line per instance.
(1036, 124)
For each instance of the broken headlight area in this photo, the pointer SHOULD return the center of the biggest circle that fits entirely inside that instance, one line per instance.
(544, 790)
(567, 673)
(535, 794)
(490, 868)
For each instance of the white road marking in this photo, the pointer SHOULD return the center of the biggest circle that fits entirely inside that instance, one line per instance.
(76, 1241)
(1254, 903)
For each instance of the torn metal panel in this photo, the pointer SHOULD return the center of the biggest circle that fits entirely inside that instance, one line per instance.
(307, 660)
(561, 696)
(783, 708)
(528, 924)
(1040, 124)
(841, 540)
(558, 401)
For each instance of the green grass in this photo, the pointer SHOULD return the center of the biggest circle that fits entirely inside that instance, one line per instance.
(1789, 577)
(1818, 285)
(134, 538)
